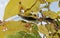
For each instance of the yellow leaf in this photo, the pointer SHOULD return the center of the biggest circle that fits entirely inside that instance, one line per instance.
(58, 13)
(27, 3)
(42, 1)
(48, 26)
(26, 13)
(55, 36)
(45, 13)
(11, 27)
(51, 0)
(58, 31)
(15, 26)
(43, 29)
(49, 36)
(1, 32)
(50, 14)
(11, 9)
(51, 28)
(35, 8)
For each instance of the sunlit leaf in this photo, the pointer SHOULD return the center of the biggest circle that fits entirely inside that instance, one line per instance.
(25, 4)
(51, 28)
(2, 34)
(11, 9)
(27, 13)
(42, 1)
(50, 14)
(11, 27)
(43, 29)
(51, 0)
(35, 8)
(58, 13)
(32, 9)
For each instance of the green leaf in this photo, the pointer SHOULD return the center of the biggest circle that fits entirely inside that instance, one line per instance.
(58, 22)
(43, 30)
(35, 34)
(10, 36)
(13, 36)
(20, 34)
(35, 27)
(28, 36)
